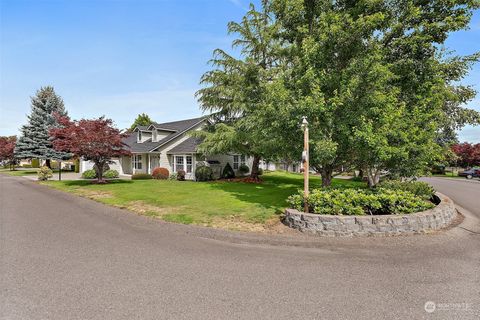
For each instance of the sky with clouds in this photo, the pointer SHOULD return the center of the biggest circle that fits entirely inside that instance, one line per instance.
(123, 57)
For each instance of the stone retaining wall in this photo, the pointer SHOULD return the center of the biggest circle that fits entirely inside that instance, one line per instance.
(331, 225)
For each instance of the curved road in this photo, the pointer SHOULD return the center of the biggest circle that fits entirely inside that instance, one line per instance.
(65, 257)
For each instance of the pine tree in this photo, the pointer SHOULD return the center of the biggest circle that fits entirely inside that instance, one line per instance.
(35, 141)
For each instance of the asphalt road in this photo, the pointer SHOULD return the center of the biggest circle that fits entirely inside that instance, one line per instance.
(64, 257)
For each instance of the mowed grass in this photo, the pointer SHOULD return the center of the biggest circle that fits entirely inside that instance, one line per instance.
(19, 172)
(232, 205)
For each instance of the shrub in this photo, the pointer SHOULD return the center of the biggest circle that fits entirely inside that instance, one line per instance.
(260, 171)
(243, 169)
(181, 175)
(203, 173)
(228, 172)
(360, 202)
(141, 176)
(173, 176)
(35, 163)
(26, 166)
(45, 173)
(89, 174)
(418, 188)
(77, 165)
(160, 173)
(111, 174)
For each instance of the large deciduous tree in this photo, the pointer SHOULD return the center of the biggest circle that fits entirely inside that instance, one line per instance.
(94, 140)
(7, 151)
(236, 90)
(34, 141)
(374, 82)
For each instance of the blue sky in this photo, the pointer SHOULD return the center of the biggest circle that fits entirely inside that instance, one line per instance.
(122, 57)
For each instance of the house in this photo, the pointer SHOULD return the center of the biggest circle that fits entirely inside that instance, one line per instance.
(169, 145)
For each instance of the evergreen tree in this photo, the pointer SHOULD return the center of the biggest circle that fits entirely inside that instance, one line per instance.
(35, 141)
(237, 91)
(141, 120)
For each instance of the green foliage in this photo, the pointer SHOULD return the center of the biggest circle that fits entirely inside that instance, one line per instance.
(228, 172)
(89, 174)
(160, 173)
(141, 120)
(27, 166)
(360, 202)
(203, 173)
(181, 175)
(260, 171)
(236, 90)
(418, 188)
(243, 169)
(141, 176)
(111, 174)
(35, 163)
(44, 173)
(77, 165)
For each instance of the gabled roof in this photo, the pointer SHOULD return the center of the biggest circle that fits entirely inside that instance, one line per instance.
(188, 146)
(176, 127)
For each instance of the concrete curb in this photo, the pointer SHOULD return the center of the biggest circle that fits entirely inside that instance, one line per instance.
(334, 225)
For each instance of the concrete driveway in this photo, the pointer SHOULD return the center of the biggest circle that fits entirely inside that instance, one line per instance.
(65, 257)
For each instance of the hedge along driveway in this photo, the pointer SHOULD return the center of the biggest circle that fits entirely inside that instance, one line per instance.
(231, 205)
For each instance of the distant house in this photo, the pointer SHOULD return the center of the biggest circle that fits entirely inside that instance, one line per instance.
(169, 145)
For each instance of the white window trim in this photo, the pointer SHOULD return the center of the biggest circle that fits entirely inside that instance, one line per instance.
(136, 160)
(184, 157)
(240, 161)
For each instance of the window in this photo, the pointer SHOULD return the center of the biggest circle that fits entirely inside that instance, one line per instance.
(189, 164)
(139, 135)
(179, 161)
(238, 160)
(137, 161)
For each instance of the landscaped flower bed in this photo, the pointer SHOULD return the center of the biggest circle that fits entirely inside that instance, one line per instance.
(389, 198)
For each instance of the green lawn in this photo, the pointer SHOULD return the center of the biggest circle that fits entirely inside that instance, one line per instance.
(232, 205)
(19, 172)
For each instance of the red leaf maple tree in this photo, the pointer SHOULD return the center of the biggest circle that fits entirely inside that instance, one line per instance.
(468, 153)
(95, 140)
(7, 150)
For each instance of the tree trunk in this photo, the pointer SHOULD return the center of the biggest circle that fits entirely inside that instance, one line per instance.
(100, 167)
(373, 176)
(327, 175)
(48, 163)
(254, 171)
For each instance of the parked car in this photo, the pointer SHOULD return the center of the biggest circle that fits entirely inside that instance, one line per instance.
(470, 173)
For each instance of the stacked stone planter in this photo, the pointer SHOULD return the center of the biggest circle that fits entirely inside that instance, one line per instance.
(330, 225)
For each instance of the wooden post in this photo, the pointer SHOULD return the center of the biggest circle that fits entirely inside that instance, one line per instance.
(306, 164)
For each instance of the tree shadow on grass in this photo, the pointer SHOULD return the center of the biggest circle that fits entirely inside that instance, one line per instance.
(83, 183)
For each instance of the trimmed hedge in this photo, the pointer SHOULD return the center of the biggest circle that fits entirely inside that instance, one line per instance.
(203, 173)
(44, 173)
(35, 163)
(360, 202)
(89, 174)
(228, 172)
(181, 175)
(418, 188)
(160, 173)
(243, 169)
(111, 174)
(141, 176)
